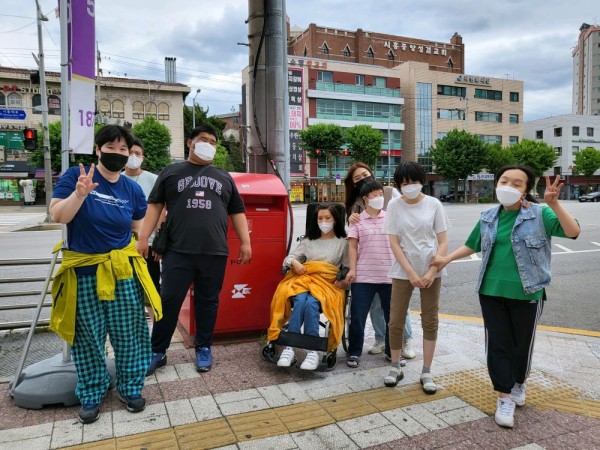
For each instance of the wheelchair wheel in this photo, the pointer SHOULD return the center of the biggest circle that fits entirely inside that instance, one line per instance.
(331, 360)
(269, 353)
(346, 330)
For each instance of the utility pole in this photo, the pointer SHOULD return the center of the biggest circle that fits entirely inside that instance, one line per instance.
(44, 108)
(194, 109)
(389, 156)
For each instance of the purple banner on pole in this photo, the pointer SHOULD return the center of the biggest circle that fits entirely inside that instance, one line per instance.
(82, 38)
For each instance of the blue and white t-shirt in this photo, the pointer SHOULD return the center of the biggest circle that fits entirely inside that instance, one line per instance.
(103, 223)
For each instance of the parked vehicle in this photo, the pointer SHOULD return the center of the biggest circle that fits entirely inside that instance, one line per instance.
(591, 197)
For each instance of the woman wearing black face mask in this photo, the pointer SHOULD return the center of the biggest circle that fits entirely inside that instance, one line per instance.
(100, 286)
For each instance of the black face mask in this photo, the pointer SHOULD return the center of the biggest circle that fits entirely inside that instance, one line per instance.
(114, 162)
(359, 183)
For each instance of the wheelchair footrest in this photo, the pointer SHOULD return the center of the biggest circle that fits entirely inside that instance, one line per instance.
(304, 341)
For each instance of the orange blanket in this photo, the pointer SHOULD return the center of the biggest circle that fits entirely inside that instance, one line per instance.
(318, 280)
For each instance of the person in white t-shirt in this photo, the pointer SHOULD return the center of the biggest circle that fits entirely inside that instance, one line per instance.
(134, 171)
(416, 224)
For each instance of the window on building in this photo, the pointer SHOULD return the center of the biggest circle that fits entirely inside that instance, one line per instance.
(54, 104)
(442, 134)
(557, 132)
(455, 114)
(575, 131)
(491, 138)
(488, 94)
(390, 56)
(151, 109)
(36, 103)
(558, 151)
(325, 76)
(347, 51)
(450, 64)
(557, 170)
(370, 53)
(539, 134)
(105, 107)
(574, 149)
(2, 99)
(118, 109)
(590, 131)
(14, 99)
(512, 140)
(513, 118)
(514, 96)
(138, 110)
(482, 116)
(380, 82)
(305, 51)
(163, 112)
(451, 90)
(359, 80)
(325, 48)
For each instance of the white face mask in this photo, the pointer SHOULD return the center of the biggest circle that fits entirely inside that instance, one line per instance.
(133, 162)
(326, 227)
(508, 195)
(376, 202)
(205, 151)
(412, 191)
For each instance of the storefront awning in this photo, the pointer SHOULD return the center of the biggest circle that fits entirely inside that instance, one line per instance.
(40, 174)
(16, 169)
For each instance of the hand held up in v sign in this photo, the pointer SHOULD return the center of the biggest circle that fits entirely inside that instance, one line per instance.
(552, 190)
(85, 182)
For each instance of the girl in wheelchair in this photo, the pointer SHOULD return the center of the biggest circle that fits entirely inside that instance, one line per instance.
(310, 287)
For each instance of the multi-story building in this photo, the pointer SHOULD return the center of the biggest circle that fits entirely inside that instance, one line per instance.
(118, 101)
(586, 71)
(568, 134)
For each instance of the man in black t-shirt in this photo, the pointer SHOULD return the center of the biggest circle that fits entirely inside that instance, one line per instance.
(199, 199)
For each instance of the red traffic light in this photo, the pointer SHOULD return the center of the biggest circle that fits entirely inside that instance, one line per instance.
(30, 139)
(28, 133)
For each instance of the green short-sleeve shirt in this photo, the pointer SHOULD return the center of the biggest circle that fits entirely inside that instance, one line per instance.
(501, 277)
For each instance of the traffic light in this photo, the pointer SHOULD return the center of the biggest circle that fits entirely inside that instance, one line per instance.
(30, 139)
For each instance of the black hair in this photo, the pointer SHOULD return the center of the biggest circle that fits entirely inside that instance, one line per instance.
(139, 143)
(530, 178)
(409, 170)
(370, 186)
(352, 193)
(314, 232)
(203, 129)
(111, 133)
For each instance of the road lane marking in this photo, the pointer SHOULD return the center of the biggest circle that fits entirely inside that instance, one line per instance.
(475, 257)
(562, 247)
(596, 243)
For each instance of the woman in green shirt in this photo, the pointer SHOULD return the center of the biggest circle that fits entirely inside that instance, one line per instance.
(514, 240)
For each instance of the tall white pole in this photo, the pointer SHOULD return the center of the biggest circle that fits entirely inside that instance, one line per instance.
(389, 171)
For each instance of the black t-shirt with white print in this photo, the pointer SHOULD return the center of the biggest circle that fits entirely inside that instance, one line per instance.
(199, 221)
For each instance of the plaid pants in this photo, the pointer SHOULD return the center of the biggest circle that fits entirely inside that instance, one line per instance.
(124, 320)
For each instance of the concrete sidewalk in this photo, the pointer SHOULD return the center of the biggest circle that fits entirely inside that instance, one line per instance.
(247, 403)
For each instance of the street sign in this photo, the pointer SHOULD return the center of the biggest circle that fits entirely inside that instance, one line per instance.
(13, 114)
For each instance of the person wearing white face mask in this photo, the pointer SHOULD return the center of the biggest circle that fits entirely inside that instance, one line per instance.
(199, 199)
(146, 180)
(311, 285)
(416, 224)
(515, 241)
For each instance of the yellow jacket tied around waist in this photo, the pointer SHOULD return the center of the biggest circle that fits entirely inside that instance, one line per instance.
(112, 266)
(318, 280)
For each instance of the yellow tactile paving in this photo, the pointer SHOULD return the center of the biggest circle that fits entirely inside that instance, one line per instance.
(109, 444)
(348, 406)
(209, 434)
(256, 425)
(304, 416)
(152, 440)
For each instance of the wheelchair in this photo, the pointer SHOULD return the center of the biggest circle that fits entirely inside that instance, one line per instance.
(270, 351)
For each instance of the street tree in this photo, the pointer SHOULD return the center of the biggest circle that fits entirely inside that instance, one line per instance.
(498, 156)
(586, 162)
(364, 144)
(458, 155)
(323, 141)
(538, 155)
(156, 139)
(222, 159)
(235, 153)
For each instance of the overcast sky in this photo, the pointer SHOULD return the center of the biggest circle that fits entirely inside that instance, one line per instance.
(530, 40)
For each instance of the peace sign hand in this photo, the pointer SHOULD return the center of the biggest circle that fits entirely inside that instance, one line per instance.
(85, 182)
(552, 190)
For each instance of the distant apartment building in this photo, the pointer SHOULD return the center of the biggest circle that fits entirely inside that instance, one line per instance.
(586, 71)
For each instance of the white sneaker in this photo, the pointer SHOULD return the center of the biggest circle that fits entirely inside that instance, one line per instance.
(505, 410)
(377, 348)
(407, 350)
(518, 393)
(287, 357)
(311, 362)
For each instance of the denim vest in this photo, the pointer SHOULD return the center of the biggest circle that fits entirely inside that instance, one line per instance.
(530, 244)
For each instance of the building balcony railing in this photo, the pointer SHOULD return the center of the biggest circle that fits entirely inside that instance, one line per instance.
(358, 118)
(354, 89)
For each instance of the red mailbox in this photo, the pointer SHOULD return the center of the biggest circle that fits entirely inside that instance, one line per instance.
(245, 300)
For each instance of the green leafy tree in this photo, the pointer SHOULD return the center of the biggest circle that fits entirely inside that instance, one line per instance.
(458, 155)
(364, 143)
(156, 139)
(222, 159)
(498, 156)
(538, 155)
(586, 161)
(235, 153)
(322, 141)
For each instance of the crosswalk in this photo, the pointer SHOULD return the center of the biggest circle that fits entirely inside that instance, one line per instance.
(10, 221)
